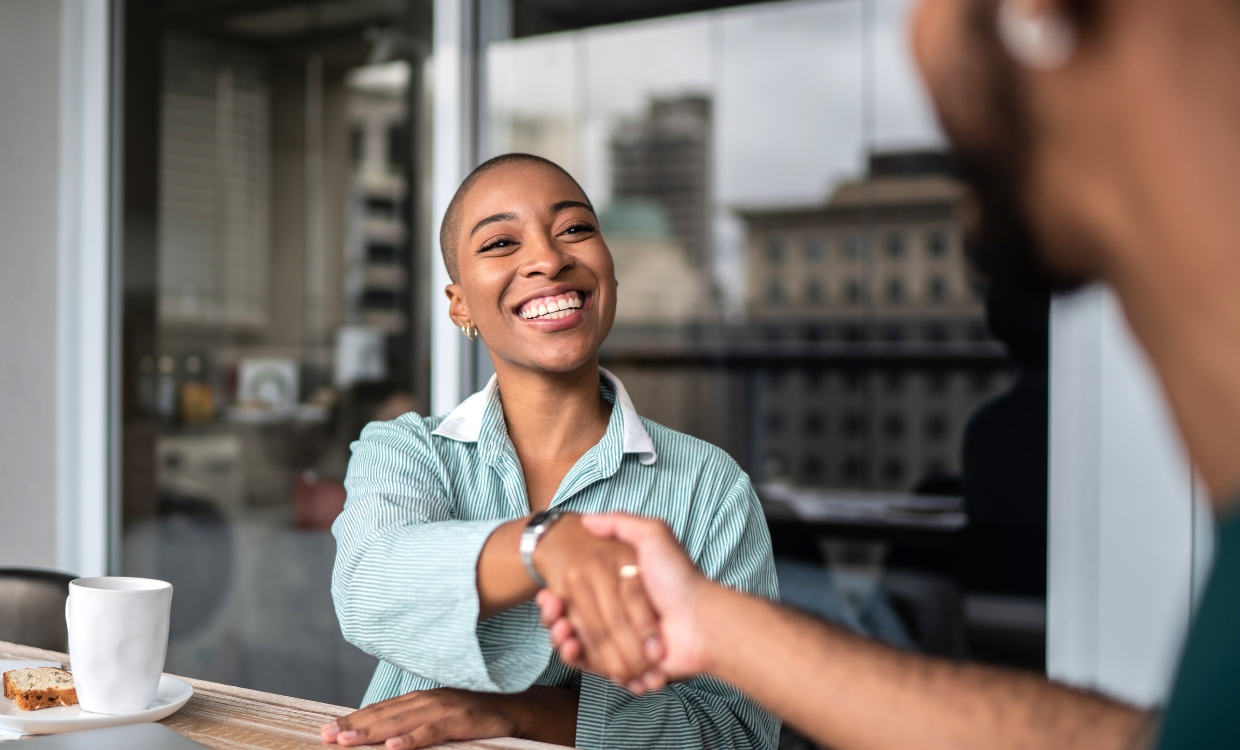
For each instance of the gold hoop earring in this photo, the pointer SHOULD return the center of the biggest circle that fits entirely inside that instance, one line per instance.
(468, 329)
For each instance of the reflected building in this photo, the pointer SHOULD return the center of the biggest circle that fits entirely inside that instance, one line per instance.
(874, 283)
(665, 158)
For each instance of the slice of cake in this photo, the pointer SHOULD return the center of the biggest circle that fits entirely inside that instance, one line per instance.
(41, 687)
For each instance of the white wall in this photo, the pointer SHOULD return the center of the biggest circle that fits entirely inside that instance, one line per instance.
(1129, 541)
(54, 277)
(29, 90)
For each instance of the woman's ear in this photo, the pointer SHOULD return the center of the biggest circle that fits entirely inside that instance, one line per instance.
(458, 309)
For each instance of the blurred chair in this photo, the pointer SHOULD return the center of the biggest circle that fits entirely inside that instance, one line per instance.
(32, 608)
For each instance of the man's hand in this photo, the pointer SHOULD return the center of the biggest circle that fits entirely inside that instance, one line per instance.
(429, 717)
(608, 611)
(673, 585)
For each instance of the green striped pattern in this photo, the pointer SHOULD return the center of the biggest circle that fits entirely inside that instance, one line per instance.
(421, 506)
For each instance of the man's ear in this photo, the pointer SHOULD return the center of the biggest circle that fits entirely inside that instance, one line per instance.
(458, 309)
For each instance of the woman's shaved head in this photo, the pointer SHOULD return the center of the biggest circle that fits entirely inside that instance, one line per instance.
(450, 229)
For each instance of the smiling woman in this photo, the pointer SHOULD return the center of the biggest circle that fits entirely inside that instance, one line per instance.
(453, 524)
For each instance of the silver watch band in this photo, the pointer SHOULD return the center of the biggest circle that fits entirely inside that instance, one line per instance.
(534, 529)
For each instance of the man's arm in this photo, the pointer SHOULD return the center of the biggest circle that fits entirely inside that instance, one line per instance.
(839, 689)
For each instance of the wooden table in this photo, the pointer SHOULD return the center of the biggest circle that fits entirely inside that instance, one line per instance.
(223, 717)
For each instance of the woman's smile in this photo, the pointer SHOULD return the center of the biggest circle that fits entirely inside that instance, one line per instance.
(554, 309)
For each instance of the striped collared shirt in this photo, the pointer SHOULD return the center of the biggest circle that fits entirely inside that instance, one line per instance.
(425, 494)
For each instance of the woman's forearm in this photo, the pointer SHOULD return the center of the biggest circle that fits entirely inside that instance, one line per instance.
(546, 714)
(502, 581)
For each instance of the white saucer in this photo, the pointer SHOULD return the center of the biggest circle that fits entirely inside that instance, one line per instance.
(171, 695)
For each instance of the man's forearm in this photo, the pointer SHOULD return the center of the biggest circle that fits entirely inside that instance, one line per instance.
(854, 694)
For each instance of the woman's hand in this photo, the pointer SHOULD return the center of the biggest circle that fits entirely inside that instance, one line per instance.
(676, 589)
(608, 610)
(429, 717)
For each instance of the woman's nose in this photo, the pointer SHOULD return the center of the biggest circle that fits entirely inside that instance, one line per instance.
(544, 256)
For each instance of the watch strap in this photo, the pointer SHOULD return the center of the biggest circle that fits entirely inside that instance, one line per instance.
(530, 536)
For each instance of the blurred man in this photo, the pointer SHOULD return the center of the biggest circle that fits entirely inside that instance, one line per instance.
(1108, 130)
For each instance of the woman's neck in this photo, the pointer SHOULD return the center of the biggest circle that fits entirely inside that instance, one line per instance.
(553, 418)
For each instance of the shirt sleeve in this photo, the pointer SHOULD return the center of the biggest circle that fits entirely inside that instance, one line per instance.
(732, 546)
(405, 578)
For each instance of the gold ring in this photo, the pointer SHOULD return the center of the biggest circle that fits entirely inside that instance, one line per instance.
(629, 571)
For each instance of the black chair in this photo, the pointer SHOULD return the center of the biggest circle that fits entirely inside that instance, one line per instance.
(32, 608)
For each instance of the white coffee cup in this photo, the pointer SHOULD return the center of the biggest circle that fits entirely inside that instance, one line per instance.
(118, 638)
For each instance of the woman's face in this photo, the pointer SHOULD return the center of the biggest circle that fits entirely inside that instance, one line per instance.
(536, 278)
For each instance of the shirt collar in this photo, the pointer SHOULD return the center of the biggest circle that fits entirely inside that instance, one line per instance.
(464, 423)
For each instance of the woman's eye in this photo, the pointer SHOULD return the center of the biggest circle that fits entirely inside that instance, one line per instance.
(581, 228)
(496, 245)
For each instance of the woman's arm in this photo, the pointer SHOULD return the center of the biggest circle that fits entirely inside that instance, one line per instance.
(404, 581)
(584, 570)
(406, 567)
(429, 717)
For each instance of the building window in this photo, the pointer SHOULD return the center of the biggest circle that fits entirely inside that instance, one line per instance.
(894, 381)
(893, 470)
(895, 245)
(855, 291)
(895, 291)
(813, 379)
(936, 427)
(815, 248)
(811, 468)
(937, 382)
(936, 289)
(854, 424)
(813, 425)
(936, 332)
(936, 243)
(893, 426)
(893, 332)
(813, 293)
(853, 469)
(775, 293)
(775, 250)
(855, 247)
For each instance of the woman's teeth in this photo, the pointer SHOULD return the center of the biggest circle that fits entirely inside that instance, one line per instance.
(550, 308)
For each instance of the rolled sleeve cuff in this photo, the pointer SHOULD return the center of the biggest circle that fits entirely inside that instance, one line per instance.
(413, 602)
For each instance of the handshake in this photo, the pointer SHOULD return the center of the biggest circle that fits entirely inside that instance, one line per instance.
(622, 600)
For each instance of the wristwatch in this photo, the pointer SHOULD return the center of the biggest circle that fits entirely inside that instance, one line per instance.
(534, 529)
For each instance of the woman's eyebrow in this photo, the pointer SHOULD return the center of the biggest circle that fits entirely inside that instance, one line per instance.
(493, 218)
(558, 207)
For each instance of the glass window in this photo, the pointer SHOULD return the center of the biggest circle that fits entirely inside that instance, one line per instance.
(815, 248)
(856, 247)
(775, 250)
(895, 245)
(895, 290)
(271, 302)
(813, 292)
(936, 243)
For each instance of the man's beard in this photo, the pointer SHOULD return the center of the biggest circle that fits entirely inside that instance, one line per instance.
(1002, 244)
